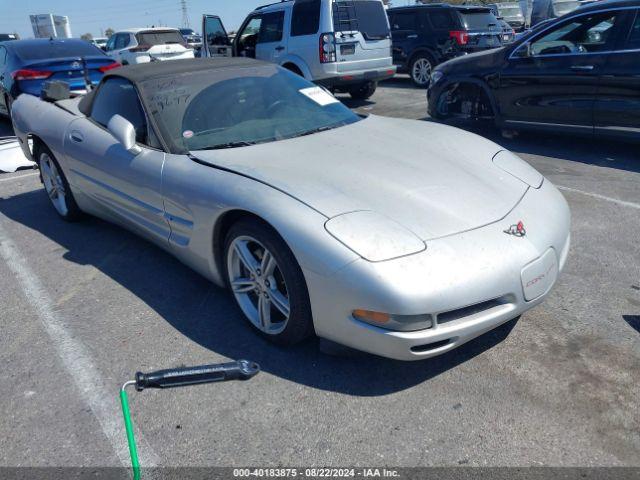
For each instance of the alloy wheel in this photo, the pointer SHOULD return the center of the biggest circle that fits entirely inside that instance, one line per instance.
(53, 184)
(421, 71)
(258, 285)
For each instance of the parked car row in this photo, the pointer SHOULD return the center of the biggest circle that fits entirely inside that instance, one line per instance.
(576, 73)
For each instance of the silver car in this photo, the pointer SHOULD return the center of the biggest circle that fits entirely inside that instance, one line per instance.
(402, 238)
(344, 45)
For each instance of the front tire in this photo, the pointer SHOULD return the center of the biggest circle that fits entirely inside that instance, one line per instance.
(267, 283)
(363, 91)
(56, 185)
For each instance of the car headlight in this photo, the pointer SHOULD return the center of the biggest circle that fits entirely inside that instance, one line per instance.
(373, 236)
(436, 76)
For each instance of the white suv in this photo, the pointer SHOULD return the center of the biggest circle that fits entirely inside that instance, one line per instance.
(144, 45)
(344, 45)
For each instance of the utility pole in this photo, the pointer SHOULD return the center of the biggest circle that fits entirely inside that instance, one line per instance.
(185, 14)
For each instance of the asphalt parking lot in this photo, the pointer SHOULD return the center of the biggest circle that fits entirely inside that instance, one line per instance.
(86, 305)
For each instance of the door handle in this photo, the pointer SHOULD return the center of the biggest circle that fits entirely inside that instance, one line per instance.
(412, 36)
(280, 48)
(582, 68)
(76, 137)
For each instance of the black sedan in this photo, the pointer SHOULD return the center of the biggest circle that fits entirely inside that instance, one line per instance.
(579, 73)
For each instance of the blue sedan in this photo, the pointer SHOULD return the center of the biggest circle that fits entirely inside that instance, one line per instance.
(25, 65)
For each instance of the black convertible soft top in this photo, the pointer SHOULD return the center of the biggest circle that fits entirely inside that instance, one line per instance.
(142, 72)
(166, 85)
(147, 71)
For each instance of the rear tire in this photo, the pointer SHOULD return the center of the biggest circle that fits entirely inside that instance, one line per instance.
(363, 91)
(420, 69)
(56, 185)
(267, 283)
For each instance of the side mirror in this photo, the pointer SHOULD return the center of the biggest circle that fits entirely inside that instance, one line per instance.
(524, 50)
(125, 133)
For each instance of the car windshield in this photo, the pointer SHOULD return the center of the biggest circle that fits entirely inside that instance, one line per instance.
(236, 107)
(510, 12)
(565, 6)
(159, 38)
(478, 20)
(365, 16)
(55, 49)
(187, 31)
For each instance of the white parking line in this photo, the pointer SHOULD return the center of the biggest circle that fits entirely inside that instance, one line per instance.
(17, 177)
(87, 378)
(601, 197)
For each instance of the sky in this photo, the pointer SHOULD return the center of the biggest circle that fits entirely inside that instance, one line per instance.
(92, 16)
(95, 16)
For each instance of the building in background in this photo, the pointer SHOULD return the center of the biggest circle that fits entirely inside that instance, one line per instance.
(50, 26)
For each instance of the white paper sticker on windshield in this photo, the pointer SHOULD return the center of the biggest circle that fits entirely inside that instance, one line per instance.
(319, 95)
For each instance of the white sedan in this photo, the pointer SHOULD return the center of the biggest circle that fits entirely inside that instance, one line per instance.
(144, 45)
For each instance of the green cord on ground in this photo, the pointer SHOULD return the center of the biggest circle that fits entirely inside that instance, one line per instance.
(133, 451)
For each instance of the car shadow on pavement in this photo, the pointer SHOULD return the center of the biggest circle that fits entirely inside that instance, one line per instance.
(401, 82)
(352, 102)
(208, 315)
(618, 154)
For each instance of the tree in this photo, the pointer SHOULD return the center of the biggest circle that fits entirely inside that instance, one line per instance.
(109, 32)
(87, 36)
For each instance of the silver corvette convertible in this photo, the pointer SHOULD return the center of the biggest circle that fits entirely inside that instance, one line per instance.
(401, 238)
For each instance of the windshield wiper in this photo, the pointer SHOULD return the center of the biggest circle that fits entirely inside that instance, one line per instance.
(317, 130)
(222, 146)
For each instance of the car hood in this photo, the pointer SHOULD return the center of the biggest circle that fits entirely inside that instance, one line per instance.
(475, 63)
(432, 179)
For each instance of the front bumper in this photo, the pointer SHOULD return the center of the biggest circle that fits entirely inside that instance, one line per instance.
(347, 79)
(470, 283)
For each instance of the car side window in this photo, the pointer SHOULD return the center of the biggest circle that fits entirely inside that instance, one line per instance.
(305, 19)
(122, 41)
(111, 43)
(248, 37)
(271, 28)
(3, 57)
(118, 96)
(584, 34)
(633, 40)
(440, 20)
(403, 21)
